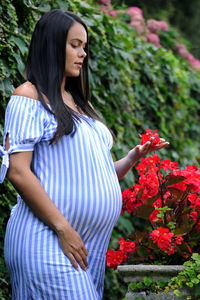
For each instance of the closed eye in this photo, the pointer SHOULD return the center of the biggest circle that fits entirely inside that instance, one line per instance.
(76, 46)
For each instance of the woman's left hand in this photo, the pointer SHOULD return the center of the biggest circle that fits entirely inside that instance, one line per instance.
(141, 150)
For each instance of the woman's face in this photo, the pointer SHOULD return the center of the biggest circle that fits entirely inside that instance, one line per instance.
(75, 54)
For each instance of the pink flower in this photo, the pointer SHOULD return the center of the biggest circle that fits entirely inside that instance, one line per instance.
(154, 39)
(140, 29)
(134, 10)
(190, 58)
(196, 64)
(153, 26)
(112, 13)
(105, 9)
(163, 25)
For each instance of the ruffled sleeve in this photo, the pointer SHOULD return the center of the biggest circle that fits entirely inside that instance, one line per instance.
(24, 127)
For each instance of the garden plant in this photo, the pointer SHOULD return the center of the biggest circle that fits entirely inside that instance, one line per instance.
(167, 198)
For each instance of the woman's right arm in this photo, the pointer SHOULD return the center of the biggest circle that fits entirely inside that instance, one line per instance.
(32, 192)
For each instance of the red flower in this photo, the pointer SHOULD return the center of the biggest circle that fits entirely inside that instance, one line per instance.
(162, 237)
(142, 166)
(146, 137)
(126, 246)
(130, 199)
(198, 226)
(194, 215)
(192, 198)
(167, 164)
(170, 250)
(179, 240)
(150, 184)
(153, 217)
(113, 259)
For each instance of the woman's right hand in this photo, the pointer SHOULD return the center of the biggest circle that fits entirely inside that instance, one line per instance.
(73, 247)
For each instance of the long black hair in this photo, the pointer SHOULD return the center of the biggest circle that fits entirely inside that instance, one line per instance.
(45, 69)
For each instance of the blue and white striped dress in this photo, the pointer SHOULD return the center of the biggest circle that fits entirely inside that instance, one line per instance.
(78, 175)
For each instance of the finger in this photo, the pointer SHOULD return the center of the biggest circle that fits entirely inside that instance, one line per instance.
(73, 261)
(80, 261)
(84, 258)
(147, 147)
(85, 250)
(161, 146)
(143, 150)
(162, 140)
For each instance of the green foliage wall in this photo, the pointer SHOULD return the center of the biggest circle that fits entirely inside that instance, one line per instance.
(134, 86)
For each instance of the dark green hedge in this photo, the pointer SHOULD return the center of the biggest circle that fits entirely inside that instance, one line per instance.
(134, 86)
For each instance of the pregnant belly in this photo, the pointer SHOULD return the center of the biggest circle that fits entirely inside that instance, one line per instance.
(94, 209)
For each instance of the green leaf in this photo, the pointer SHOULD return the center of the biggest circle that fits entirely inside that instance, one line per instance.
(148, 281)
(20, 44)
(133, 286)
(196, 256)
(161, 283)
(142, 252)
(177, 293)
(195, 280)
(44, 8)
(140, 285)
(190, 284)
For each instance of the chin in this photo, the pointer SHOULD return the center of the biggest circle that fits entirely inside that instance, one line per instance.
(75, 74)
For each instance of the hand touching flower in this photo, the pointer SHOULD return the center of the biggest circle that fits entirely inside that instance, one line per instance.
(150, 141)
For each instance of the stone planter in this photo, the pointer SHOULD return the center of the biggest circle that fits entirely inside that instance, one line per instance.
(138, 272)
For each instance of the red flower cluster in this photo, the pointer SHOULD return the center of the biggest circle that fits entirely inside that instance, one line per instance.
(170, 205)
(115, 258)
(192, 174)
(164, 240)
(146, 137)
(130, 199)
(126, 246)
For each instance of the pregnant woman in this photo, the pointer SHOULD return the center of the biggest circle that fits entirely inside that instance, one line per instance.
(57, 156)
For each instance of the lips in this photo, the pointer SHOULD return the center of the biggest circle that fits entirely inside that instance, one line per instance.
(79, 63)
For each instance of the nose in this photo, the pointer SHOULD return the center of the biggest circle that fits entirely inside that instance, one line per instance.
(82, 53)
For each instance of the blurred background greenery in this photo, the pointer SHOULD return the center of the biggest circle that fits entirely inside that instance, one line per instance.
(134, 86)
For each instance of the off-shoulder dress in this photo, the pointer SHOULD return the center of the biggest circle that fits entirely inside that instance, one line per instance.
(79, 176)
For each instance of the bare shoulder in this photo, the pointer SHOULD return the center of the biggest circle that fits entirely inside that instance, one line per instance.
(27, 89)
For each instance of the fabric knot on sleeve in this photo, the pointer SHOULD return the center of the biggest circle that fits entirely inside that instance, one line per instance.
(5, 163)
(4, 154)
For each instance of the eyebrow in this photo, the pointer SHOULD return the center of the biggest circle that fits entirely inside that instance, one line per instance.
(76, 39)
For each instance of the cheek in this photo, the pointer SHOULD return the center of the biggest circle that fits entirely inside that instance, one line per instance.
(70, 54)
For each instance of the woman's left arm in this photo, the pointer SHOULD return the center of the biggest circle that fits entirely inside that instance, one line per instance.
(123, 165)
